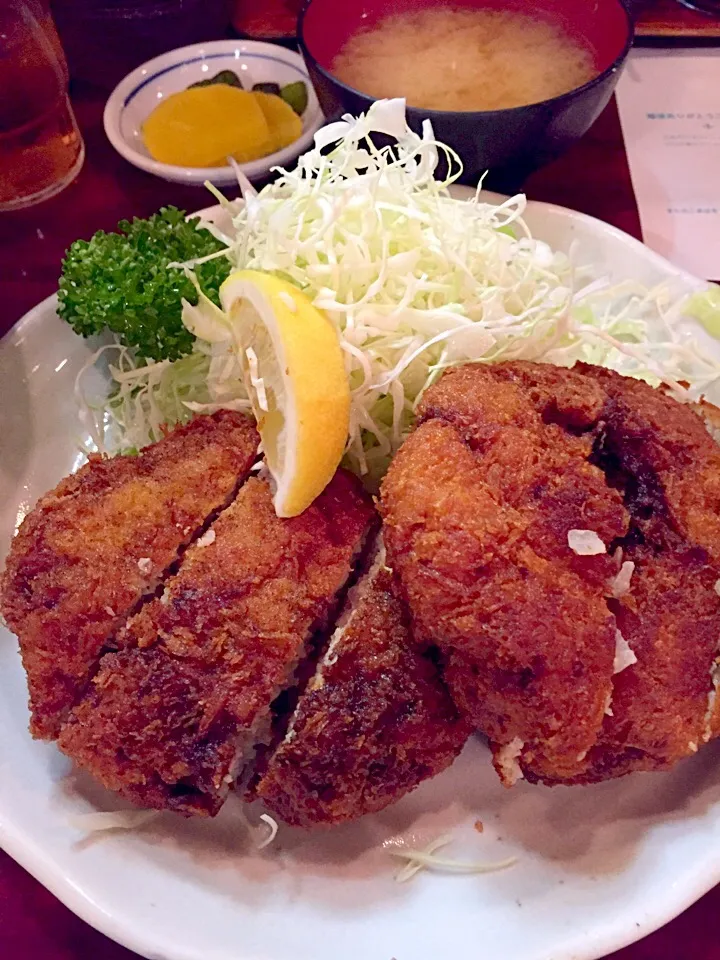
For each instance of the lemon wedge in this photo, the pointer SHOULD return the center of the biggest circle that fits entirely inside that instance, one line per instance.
(296, 379)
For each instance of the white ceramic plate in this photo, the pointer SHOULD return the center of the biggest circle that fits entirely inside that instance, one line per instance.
(136, 96)
(598, 867)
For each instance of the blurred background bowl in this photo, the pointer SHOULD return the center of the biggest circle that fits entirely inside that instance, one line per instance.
(509, 143)
(135, 97)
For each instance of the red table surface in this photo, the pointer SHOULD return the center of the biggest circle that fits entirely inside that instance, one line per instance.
(593, 177)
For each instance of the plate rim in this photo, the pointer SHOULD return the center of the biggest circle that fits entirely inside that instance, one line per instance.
(48, 873)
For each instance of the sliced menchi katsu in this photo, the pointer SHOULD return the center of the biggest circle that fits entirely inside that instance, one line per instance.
(101, 541)
(477, 506)
(554, 510)
(171, 719)
(374, 722)
(661, 456)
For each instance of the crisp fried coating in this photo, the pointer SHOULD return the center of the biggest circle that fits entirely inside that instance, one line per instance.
(527, 426)
(170, 719)
(658, 710)
(664, 459)
(92, 547)
(485, 617)
(477, 507)
(375, 721)
(560, 448)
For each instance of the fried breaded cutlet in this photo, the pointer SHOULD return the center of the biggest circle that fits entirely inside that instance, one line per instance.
(374, 722)
(102, 539)
(551, 579)
(478, 506)
(171, 718)
(660, 454)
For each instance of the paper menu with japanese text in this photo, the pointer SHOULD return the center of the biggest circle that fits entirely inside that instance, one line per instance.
(669, 103)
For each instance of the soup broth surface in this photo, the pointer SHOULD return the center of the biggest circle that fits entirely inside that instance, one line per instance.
(454, 58)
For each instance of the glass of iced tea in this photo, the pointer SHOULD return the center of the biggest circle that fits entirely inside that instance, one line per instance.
(41, 150)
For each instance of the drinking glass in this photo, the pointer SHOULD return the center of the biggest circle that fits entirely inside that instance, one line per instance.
(41, 149)
(710, 7)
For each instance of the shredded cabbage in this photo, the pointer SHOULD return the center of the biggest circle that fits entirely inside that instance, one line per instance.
(101, 821)
(415, 281)
(705, 308)
(272, 825)
(428, 859)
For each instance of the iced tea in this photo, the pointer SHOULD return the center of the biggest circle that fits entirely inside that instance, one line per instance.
(41, 149)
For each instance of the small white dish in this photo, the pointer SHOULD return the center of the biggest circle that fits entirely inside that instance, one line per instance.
(598, 867)
(135, 97)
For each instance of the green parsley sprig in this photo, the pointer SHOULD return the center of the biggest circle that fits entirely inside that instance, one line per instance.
(121, 281)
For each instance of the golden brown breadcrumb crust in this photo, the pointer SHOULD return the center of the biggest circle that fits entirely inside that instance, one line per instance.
(375, 722)
(92, 547)
(169, 718)
(477, 506)
(506, 460)
(662, 456)
(484, 618)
